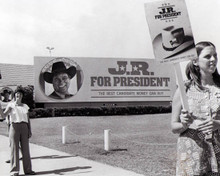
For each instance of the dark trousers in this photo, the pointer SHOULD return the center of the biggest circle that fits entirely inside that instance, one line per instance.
(18, 133)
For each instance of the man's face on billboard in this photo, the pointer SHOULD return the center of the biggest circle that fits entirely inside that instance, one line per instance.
(61, 83)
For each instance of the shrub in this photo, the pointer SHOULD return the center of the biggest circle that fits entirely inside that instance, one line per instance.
(41, 112)
(99, 111)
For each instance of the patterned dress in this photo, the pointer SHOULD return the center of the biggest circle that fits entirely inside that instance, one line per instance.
(196, 153)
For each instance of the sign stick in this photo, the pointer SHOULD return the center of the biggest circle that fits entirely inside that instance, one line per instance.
(180, 83)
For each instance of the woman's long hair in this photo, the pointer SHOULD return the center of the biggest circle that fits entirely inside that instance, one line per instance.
(193, 71)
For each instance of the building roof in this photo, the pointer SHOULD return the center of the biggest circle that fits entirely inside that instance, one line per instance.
(15, 74)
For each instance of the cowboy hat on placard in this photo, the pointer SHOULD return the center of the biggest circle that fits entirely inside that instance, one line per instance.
(172, 41)
(59, 67)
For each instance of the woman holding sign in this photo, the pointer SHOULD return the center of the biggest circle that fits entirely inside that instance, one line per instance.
(19, 133)
(198, 145)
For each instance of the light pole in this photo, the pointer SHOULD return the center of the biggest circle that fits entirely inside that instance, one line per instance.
(50, 49)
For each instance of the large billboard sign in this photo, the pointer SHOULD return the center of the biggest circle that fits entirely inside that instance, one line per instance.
(74, 79)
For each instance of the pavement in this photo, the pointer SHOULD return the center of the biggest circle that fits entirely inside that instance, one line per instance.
(47, 161)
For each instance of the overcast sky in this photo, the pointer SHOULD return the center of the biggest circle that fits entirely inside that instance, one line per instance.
(90, 28)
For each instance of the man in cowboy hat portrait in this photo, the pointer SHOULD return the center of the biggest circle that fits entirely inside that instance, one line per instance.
(6, 93)
(60, 77)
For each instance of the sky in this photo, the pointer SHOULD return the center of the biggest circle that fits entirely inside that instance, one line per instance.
(90, 28)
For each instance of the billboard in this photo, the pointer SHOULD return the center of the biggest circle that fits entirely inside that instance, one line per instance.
(72, 79)
(170, 31)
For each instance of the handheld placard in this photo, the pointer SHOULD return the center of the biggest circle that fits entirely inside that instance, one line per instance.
(171, 36)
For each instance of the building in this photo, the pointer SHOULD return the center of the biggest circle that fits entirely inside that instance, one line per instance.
(13, 75)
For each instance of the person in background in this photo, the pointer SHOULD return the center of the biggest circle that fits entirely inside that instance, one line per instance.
(198, 145)
(6, 94)
(19, 133)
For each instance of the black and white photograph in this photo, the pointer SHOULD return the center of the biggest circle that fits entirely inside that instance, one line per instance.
(109, 87)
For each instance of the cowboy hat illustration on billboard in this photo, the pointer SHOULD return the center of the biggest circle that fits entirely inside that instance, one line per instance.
(59, 67)
(60, 77)
(171, 42)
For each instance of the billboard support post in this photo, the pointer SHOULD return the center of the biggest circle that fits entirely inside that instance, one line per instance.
(107, 140)
(64, 134)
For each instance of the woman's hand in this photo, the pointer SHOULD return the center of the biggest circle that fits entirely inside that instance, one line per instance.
(186, 118)
(209, 125)
(29, 133)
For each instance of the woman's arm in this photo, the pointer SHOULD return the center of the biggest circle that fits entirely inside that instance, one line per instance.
(29, 127)
(209, 125)
(5, 113)
(180, 119)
